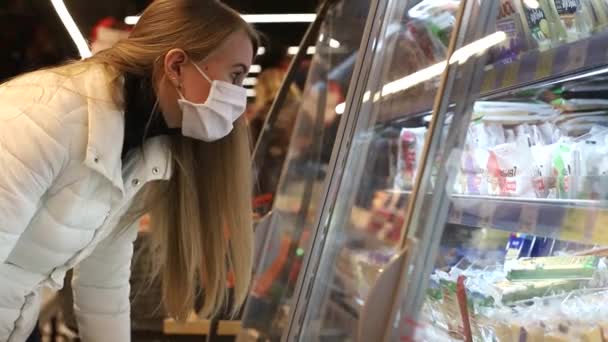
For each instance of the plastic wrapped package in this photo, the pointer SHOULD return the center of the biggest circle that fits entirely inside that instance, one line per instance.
(509, 22)
(536, 23)
(411, 143)
(543, 179)
(510, 170)
(570, 20)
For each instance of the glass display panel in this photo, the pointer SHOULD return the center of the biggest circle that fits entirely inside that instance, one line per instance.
(287, 226)
(391, 123)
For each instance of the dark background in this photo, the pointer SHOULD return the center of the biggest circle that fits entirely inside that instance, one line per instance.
(32, 35)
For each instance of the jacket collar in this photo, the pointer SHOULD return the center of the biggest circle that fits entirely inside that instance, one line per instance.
(106, 126)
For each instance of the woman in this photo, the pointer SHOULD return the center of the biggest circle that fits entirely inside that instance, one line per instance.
(157, 116)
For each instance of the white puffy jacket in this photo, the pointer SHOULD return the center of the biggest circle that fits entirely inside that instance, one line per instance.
(63, 189)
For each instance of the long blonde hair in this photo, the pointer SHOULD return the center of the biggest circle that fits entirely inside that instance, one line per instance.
(200, 218)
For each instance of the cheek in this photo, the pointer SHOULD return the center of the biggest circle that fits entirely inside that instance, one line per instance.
(196, 90)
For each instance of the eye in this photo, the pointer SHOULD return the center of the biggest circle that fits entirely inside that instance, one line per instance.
(236, 77)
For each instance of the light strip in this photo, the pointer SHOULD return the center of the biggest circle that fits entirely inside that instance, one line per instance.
(250, 81)
(251, 93)
(293, 50)
(459, 56)
(255, 69)
(257, 18)
(341, 108)
(280, 18)
(70, 25)
(131, 20)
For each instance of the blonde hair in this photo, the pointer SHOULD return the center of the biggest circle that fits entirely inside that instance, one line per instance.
(201, 218)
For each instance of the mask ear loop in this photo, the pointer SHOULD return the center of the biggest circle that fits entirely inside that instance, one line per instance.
(202, 72)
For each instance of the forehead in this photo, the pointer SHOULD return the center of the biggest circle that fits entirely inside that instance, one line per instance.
(237, 49)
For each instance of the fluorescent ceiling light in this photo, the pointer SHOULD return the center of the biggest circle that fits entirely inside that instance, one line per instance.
(251, 93)
(131, 20)
(250, 81)
(261, 50)
(255, 69)
(280, 18)
(70, 25)
(477, 47)
(334, 43)
(293, 50)
(257, 18)
(341, 108)
(414, 79)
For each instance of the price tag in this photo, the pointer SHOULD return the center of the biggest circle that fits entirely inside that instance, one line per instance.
(528, 219)
(486, 213)
(489, 80)
(511, 74)
(455, 215)
(544, 68)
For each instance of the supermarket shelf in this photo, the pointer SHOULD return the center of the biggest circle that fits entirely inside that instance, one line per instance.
(583, 221)
(537, 68)
(532, 69)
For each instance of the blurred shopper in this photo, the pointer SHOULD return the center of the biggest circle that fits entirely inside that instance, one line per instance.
(269, 168)
(160, 112)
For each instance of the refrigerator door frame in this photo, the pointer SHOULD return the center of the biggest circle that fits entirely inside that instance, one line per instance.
(306, 278)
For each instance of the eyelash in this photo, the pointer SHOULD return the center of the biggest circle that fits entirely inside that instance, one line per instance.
(236, 76)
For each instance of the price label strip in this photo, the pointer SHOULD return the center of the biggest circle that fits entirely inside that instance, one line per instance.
(528, 219)
(577, 55)
(486, 214)
(544, 68)
(489, 80)
(511, 74)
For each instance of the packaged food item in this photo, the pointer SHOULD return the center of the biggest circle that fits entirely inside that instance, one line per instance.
(590, 162)
(411, 142)
(570, 20)
(558, 267)
(474, 175)
(550, 132)
(496, 134)
(600, 11)
(536, 23)
(563, 169)
(543, 179)
(510, 170)
(516, 291)
(509, 22)
(574, 105)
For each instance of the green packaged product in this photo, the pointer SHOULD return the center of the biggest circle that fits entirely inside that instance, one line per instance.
(560, 267)
(570, 20)
(524, 290)
(536, 23)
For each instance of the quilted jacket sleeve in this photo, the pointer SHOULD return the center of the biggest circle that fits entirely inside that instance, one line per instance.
(101, 290)
(33, 151)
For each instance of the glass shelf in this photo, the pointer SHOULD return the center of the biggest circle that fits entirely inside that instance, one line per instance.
(584, 221)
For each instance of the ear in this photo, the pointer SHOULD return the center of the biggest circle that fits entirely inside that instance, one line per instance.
(175, 60)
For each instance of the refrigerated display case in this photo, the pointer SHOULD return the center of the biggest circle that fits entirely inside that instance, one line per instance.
(467, 194)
